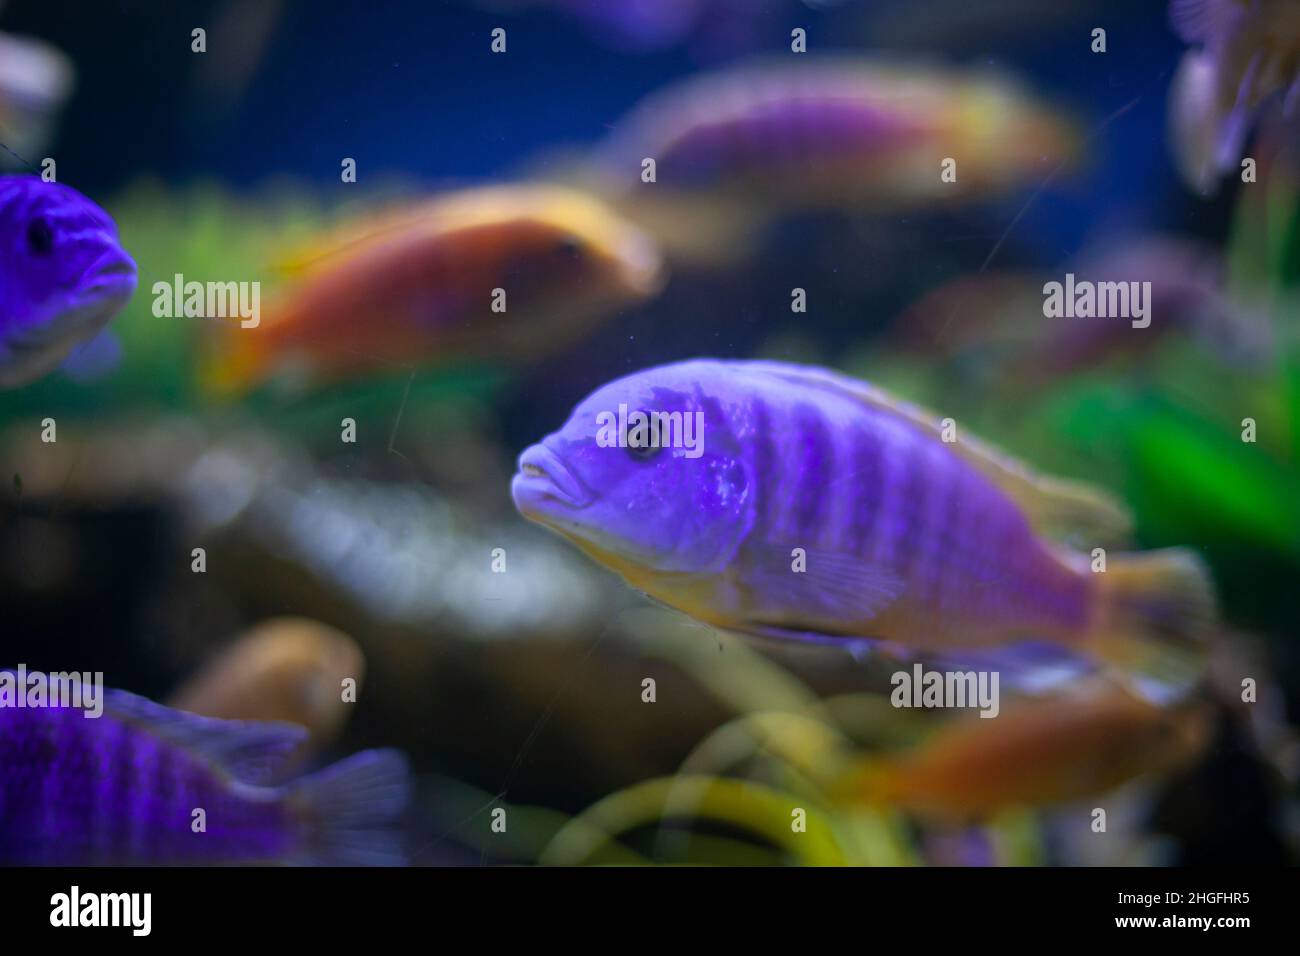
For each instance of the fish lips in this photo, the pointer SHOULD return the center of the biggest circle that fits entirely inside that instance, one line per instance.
(544, 477)
(112, 277)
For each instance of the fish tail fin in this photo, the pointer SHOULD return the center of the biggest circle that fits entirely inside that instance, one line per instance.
(353, 809)
(1157, 612)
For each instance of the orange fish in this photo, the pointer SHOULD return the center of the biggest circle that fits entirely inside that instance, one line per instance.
(1036, 752)
(285, 669)
(501, 272)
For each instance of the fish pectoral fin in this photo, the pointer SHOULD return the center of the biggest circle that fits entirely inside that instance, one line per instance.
(820, 586)
(94, 359)
(251, 751)
(1055, 507)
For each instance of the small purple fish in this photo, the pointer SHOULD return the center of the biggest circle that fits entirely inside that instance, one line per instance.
(1189, 298)
(124, 788)
(636, 24)
(792, 502)
(1246, 55)
(63, 275)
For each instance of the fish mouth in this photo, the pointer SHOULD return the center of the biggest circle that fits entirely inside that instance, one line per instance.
(543, 476)
(112, 276)
(114, 263)
(642, 265)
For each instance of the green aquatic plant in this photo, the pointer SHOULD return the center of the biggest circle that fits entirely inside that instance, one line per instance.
(741, 804)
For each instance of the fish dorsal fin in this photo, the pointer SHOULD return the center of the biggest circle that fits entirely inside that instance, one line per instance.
(295, 259)
(1055, 507)
(461, 209)
(250, 751)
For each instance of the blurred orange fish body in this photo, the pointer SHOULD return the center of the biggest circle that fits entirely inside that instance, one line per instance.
(1036, 752)
(486, 273)
(284, 669)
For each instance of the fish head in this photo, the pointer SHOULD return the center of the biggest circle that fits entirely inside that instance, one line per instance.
(623, 260)
(567, 248)
(63, 272)
(646, 476)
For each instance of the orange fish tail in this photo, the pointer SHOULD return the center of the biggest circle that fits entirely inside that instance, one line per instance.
(1156, 612)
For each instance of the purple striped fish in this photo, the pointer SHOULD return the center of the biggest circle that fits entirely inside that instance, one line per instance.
(816, 507)
(124, 788)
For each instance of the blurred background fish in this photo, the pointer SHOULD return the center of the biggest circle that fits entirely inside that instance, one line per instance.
(123, 788)
(991, 327)
(751, 141)
(1037, 752)
(35, 81)
(709, 28)
(422, 285)
(1246, 58)
(634, 25)
(290, 670)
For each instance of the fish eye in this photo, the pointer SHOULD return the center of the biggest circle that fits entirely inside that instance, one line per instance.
(40, 237)
(650, 449)
(570, 247)
(643, 452)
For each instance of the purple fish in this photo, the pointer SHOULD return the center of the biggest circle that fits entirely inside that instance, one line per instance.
(63, 275)
(820, 132)
(793, 502)
(1246, 57)
(737, 149)
(709, 28)
(125, 788)
(636, 24)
